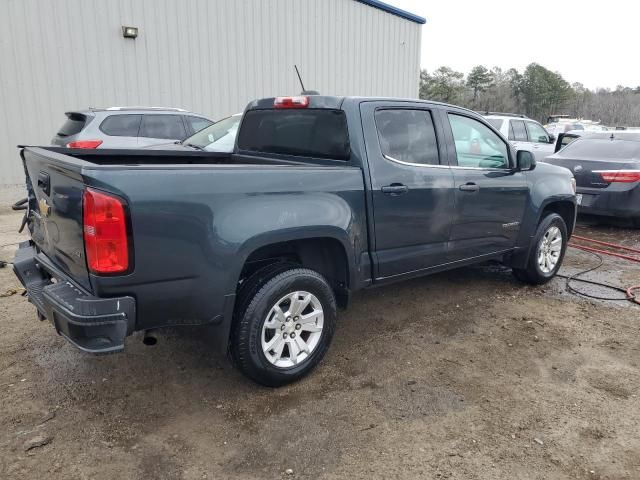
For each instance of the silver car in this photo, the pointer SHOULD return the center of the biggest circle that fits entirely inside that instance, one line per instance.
(523, 133)
(219, 137)
(127, 127)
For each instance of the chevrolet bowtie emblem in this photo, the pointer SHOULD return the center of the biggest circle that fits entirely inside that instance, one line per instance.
(45, 209)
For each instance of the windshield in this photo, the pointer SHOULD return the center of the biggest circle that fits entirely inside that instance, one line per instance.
(219, 137)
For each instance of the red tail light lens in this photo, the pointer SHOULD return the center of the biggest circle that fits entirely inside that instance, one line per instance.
(621, 176)
(291, 102)
(85, 144)
(105, 233)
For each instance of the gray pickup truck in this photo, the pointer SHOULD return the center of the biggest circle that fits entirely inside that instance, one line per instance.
(321, 197)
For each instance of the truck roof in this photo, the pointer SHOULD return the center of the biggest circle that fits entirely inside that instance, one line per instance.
(337, 102)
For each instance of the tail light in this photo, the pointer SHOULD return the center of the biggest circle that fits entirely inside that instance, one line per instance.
(105, 233)
(85, 144)
(291, 102)
(621, 176)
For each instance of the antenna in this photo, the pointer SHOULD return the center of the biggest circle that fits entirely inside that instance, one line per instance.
(304, 90)
(299, 77)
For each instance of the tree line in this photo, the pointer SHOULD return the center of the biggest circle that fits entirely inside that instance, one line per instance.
(537, 92)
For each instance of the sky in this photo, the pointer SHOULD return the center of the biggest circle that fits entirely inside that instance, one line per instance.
(592, 42)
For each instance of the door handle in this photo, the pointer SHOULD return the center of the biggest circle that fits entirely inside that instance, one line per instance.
(469, 187)
(395, 189)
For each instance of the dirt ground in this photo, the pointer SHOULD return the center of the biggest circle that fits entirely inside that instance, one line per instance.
(465, 375)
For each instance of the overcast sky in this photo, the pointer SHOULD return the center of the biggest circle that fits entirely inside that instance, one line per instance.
(593, 42)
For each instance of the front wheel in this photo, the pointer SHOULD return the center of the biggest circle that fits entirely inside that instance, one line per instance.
(284, 325)
(547, 251)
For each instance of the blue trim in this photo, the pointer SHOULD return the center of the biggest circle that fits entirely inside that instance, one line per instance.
(394, 11)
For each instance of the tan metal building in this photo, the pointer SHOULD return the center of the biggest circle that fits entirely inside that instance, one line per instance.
(208, 56)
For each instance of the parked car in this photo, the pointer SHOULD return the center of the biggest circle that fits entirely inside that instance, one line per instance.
(217, 137)
(523, 133)
(127, 127)
(606, 167)
(323, 196)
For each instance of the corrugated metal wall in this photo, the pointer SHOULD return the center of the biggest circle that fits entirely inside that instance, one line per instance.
(209, 56)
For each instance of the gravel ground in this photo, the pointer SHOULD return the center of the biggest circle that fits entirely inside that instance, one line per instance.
(465, 374)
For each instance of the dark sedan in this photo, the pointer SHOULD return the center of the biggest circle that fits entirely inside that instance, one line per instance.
(606, 167)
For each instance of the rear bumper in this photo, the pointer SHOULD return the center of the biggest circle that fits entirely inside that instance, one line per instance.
(610, 203)
(93, 324)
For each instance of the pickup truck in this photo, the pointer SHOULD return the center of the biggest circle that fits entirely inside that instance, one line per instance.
(322, 196)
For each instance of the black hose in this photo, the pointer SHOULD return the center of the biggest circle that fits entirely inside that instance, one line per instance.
(574, 278)
(20, 204)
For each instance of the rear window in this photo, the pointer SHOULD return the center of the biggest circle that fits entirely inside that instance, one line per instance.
(121, 125)
(600, 149)
(495, 122)
(74, 125)
(307, 133)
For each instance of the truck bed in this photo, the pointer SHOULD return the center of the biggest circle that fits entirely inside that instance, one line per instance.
(168, 157)
(193, 218)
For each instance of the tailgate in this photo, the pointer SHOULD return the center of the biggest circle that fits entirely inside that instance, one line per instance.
(55, 187)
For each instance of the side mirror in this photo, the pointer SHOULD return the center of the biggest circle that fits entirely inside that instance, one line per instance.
(525, 160)
(552, 138)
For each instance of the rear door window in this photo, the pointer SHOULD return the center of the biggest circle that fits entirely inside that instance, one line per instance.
(121, 125)
(519, 131)
(319, 133)
(167, 127)
(407, 136)
(537, 134)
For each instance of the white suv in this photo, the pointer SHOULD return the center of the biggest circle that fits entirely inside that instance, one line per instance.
(523, 133)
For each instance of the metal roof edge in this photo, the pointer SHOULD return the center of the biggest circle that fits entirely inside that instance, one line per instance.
(394, 11)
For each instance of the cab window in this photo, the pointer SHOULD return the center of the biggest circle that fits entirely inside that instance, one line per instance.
(477, 145)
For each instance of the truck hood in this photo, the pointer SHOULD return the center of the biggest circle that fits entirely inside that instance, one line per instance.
(549, 168)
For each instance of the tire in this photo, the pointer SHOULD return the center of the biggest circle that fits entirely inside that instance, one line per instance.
(288, 287)
(537, 272)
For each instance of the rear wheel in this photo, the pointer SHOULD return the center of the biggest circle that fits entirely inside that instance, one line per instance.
(547, 251)
(284, 324)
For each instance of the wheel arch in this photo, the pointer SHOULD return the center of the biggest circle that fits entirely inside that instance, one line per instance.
(326, 251)
(564, 206)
